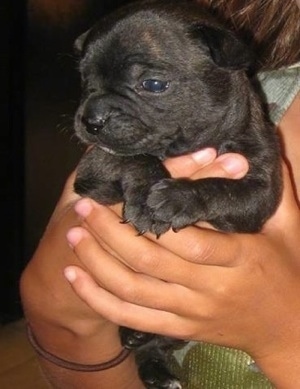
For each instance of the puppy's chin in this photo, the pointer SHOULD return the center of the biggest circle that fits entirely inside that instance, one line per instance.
(108, 150)
(119, 151)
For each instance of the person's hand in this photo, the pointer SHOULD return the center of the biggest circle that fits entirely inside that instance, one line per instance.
(198, 165)
(203, 163)
(238, 286)
(238, 290)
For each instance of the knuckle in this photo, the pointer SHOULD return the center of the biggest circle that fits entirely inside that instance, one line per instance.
(200, 251)
(128, 291)
(146, 261)
(81, 287)
(223, 290)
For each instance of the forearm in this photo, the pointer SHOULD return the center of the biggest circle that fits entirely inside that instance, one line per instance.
(62, 324)
(122, 376)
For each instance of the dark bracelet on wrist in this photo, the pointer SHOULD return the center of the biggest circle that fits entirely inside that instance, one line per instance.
(74, 365)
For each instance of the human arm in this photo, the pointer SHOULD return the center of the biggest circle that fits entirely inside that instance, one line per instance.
(242, 289)
(249, 300)
(62, 323)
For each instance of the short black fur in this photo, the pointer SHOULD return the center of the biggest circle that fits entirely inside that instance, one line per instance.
(208, 101)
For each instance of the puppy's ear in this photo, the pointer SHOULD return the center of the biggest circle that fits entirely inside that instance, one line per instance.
(79, 42)
(226, 49)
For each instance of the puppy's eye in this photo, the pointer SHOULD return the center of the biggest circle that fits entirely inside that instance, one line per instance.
(155, 86)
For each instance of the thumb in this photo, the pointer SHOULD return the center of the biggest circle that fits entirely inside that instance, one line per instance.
(230, 165)
(205, 163)
(187, 165)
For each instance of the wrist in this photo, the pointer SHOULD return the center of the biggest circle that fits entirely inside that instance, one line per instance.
(86, 349)
(78, 344)
(65, 327)
(75, 366)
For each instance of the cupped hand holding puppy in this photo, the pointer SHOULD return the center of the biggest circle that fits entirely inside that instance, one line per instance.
(238, 290)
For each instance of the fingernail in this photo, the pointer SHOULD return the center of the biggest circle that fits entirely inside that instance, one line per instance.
(204, 156)
(234, 166)
(70, 274)
(83, 207)
(74, 236)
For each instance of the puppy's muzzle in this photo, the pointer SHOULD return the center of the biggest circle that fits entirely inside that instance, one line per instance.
(95, 115)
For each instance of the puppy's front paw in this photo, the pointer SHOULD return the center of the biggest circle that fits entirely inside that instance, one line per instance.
(174, 202)
(140, 216)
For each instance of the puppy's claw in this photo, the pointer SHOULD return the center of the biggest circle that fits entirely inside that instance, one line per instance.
(140, 233)
(124, 221)
(174, 229)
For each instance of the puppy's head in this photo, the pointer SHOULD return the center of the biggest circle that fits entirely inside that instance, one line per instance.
(157, 77)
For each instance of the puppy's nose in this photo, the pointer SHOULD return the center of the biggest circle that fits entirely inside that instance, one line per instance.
(93, 126)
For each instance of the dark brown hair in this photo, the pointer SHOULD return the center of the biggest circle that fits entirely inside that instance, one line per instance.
(271, 27)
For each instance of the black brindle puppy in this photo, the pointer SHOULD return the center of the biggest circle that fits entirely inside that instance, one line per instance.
(162, 79)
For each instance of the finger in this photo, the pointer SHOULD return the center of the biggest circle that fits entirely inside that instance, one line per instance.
(135, 287)
(137, 252)
(231, 165)
(69, 185)
(185, 166)
(204, 164)
(204, 246)
(124, 313)
(149, 255)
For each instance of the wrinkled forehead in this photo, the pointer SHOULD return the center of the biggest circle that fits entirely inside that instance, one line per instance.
(144, 34)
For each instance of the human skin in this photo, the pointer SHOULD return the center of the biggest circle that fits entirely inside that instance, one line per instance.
(65, 325)
(242, 289)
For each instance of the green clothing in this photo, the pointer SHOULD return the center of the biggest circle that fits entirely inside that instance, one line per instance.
(206, 366)
(280, 87)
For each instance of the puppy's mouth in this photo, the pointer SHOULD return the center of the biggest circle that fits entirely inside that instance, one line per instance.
(120, 148)
(108, 150)
(122, 136)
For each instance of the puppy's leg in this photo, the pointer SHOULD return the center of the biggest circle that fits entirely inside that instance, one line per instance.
(132, 339)
(229, 205)
(141, 174)
(98, 177)
(151, 360)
